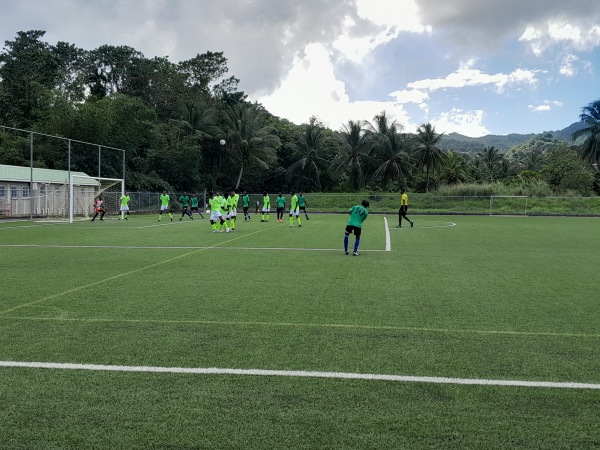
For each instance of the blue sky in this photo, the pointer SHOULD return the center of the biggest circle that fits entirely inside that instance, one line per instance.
(475, 67)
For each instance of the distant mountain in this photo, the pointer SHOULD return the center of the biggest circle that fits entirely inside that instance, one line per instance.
(459, 143)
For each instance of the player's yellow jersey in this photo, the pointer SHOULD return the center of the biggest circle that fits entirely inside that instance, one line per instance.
(404, 200)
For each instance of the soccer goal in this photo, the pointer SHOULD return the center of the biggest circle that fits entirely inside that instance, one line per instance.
(84, 190)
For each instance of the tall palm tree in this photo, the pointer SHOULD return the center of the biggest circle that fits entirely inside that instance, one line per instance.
(307, 160)
(381, 124)
(532, 160)
(393, 157)
(454, 168)
(590, 149)
(389, 148)
(199, 119)
(491, 159)
(355, 154)
(429, 155)
(249, 136)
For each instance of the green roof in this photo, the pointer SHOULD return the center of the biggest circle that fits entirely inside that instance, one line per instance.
(23, 175)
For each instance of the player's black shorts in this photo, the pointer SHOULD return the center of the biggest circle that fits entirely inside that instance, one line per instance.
(402, 210)
(184, 208)
(303, 208)
(352, 229)
(279, 210)
(194, 208)
(246, 209)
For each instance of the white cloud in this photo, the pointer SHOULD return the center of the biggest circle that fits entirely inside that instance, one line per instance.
(544, 37)
(466, 77)
(567, 67)
(546, 106)
(311, 88)
(410, 96)
(467, 123)
(389, 20)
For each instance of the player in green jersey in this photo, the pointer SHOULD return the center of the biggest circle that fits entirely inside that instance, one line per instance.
(234, 200)
(266, 209)
(246, 205)
(280, 201)
(302, 204)
(294, 210)
(358, 214)
(216, 220)
(225, 208)
(194, 207)
(184, 201)
(125, 199)
(164, 205)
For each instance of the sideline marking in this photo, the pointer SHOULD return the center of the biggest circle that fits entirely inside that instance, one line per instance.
(349, 326)
(301, 374)
(114, 277)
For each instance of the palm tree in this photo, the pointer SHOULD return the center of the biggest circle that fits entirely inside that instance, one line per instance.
(532, 160)
(394, 160)
(590, 149)
(249, 136)
(390, 149)
(199, 119)
(355, 156)
(429, 155)
(454, 168)
(491, 159)
(307, 161)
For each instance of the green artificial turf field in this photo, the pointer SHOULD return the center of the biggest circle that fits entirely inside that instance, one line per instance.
(483, 300)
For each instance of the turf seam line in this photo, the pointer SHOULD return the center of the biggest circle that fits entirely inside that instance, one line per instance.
(301, 374)
(114, 277)
(306, 325)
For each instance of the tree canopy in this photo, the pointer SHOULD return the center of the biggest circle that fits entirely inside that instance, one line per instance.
(171, 117)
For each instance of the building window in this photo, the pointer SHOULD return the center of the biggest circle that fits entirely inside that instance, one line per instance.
(26, 191)
(42, 189)
(14, 192)
(2, 191)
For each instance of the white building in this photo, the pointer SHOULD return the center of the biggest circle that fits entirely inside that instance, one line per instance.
(47, 196)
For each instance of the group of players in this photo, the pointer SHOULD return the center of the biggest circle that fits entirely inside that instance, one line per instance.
(223, 209)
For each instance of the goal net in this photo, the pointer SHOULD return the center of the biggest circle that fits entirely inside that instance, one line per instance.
(84, 190)
(74, 201)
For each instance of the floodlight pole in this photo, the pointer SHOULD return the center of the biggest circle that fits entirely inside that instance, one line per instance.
(99, 160)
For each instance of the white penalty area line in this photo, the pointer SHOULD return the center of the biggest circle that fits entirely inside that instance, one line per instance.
(300, 374)
(182, 247)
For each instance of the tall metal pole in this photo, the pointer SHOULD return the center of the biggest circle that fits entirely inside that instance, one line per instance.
(123, 184)
(70, 181)
(99, 160)
(31, 197)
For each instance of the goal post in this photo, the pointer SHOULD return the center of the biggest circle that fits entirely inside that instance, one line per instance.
(83, 190)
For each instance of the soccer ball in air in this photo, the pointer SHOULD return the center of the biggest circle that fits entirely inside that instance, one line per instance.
(222, 142)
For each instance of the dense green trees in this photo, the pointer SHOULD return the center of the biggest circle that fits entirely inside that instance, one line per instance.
(170, 118)
(590, 150)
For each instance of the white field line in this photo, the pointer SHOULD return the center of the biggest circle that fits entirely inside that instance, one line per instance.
(421, 227)
(300, 374)
(388, 241)
(187, 247)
